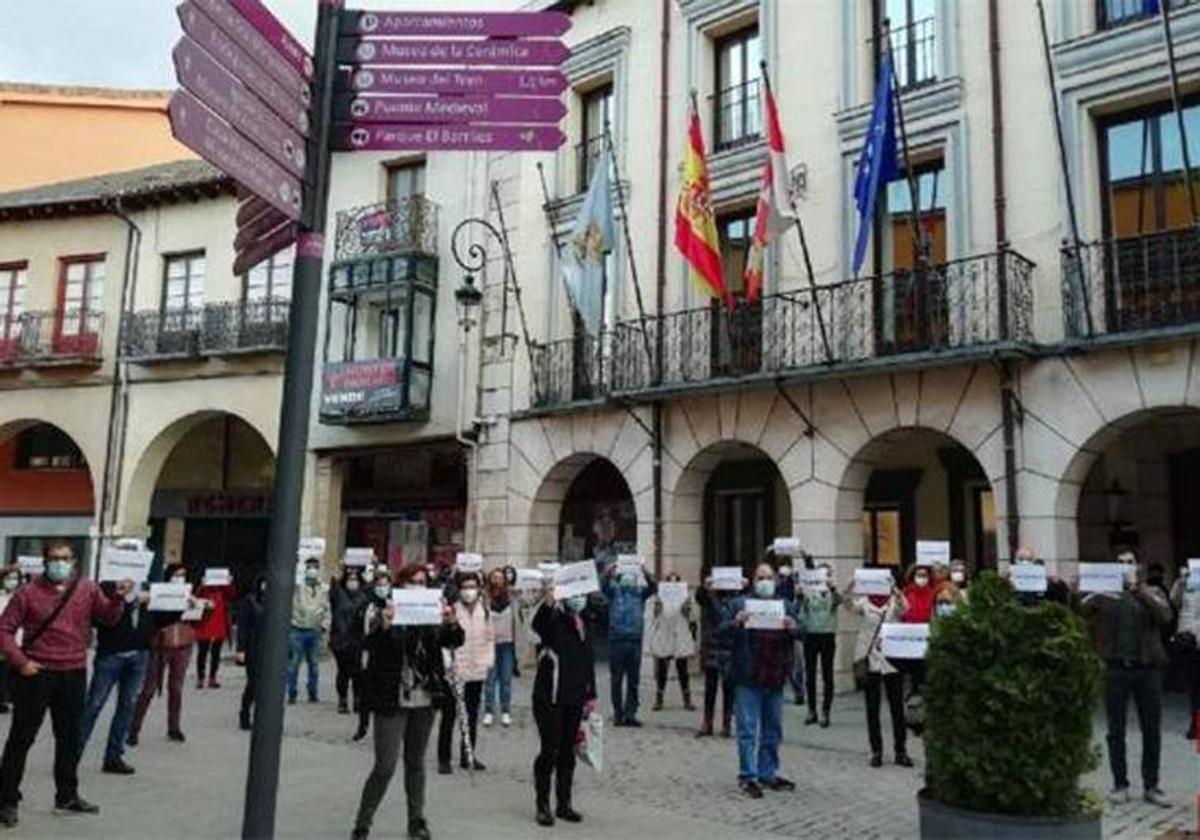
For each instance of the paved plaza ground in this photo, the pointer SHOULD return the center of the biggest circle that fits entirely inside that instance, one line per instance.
(660, 782)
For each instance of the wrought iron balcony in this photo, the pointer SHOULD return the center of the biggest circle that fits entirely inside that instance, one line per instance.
(737, 115)
(914, 51)
(402, 226)
(217, 329)
(1132, 284)
(54, 337)
(909, 318)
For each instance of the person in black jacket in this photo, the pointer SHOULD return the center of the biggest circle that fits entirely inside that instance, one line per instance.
(249, 619)
(404, 677)
(347, 605)
(122, 653)
(565, 683)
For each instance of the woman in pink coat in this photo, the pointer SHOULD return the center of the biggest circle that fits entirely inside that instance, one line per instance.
(470, 665)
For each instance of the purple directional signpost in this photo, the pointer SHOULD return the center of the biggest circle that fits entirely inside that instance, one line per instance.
(427, 81)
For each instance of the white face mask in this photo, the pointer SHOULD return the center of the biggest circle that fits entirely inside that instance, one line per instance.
(764, 588)
(383, 591)
(469, 596)
(921, 581)
(352, 584)
(957, 577)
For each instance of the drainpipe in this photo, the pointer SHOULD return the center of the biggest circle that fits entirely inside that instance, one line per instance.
(114, 453)
(1008, 398)
(664, 95)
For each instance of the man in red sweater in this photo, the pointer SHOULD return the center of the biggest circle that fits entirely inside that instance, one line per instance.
(54, 613)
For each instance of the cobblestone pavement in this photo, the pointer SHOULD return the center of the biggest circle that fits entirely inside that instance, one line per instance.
(659, 782)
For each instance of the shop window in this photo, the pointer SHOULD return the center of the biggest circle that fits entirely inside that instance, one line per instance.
(45, 447)
(736, 101)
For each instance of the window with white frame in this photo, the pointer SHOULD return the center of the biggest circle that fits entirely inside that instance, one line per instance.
(12, 299)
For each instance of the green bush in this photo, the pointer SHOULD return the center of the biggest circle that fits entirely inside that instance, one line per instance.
(1009, 695)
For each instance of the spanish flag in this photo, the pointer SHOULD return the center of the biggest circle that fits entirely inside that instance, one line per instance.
(695, 223)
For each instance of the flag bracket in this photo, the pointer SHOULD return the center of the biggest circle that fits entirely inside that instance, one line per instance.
(809, 429)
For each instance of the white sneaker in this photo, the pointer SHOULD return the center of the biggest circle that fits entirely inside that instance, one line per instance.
(506, 719)
(1155, 796)
(1118, 795)
(487, 719)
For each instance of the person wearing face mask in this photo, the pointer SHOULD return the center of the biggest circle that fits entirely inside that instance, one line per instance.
(10, 580)
(1185, 596)
(504, 634)
(347, 605)
(564, 690)
(519, 616)
(670, 641)
(881, 676)
(789, 592)
(378, 597)
(627, 591)
(715, 651)
(310, 617)
(958, 576)
(122, 655)
(403, 682)
(1127, 628)
(818, 607)
(946, 599)
(55, 613)
(249, 619)
(170, 652)
(758, 669)
(918, 596)
(471, 662)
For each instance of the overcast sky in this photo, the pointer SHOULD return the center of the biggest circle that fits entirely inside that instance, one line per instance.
(127, 43)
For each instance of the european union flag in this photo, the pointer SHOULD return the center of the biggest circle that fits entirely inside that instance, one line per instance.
(877, 163)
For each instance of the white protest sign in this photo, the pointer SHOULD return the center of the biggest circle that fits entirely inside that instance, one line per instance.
(786, 547)
(31, 564)
(195, 613)
(629, 563)
(673, 594)
(549, 568)
(904, 641)
(764, 614)
(1193, 575)
(813, 580)
(1101, 577)
(125, 564)
(933, 553)
(1027, 577)
(873, 581)
(311, 547)
(468, 562)
(727, 578)
(169, 597)
(359, 557)
(417, 606)
(575, 579)
(530, 580)
(217, 576)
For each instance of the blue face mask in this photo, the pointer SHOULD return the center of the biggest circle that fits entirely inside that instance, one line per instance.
(628, 581)
(576, 603)
(944, 609)
(58, 570)
(764, 588)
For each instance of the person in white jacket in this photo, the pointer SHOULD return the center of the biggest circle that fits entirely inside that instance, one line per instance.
(875, 610)
(669, 639)
(469, 665)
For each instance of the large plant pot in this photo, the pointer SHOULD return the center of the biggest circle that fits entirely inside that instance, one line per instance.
(942, 822)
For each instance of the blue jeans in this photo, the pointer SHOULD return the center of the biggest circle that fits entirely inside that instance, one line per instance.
(303, 643)
(625, 665)
(126, 669)
(759, 731)
(500, 676)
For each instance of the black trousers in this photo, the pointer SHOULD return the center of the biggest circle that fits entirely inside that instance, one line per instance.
(819, 646)
(472, 698)
(893, 686)
(4, 677)
(210, 653)
(557, 727)
(712, 679)
(1191, 670)
(62, 692)
(1145, 686)
(349, 673)
(251, 685)
(662, 666)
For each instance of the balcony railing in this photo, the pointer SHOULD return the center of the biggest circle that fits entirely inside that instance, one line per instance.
(51, 338)
(737, 115)
(903, 317)
(914, 51)
(407, 225)
(217, 329)
(1133, 283)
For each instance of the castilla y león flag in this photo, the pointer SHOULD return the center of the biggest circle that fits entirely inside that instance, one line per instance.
(775, 208)
(695, 223)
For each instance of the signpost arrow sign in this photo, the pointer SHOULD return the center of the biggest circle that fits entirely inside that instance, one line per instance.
(397, 80)
(445, 138)
(453, 109)
(268, 246)
(479, 24)
(258, 227)
(214, 140)
(288, 105)
(449, 51)
(256, 46)
(251, 207)
(276, 35)
(225, 95)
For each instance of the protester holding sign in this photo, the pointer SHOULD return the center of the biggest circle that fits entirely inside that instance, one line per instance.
(470, 664)
(564, 689)
(670, 637)
(716, 648)
(818, 607)
(170, 652)
(1185, 596)
(627, 593)
(759, 664)
(1127, 627)
(505, 627)
(918, 595)
(55, 613)
(217, 590)
(347, 606)
(875, 674)
(404, 679)
(310, 618)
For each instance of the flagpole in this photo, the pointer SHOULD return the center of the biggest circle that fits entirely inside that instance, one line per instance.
(1066, 172)
(909, 176)
(808, 268)
(1165, 9)
(637, 286)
